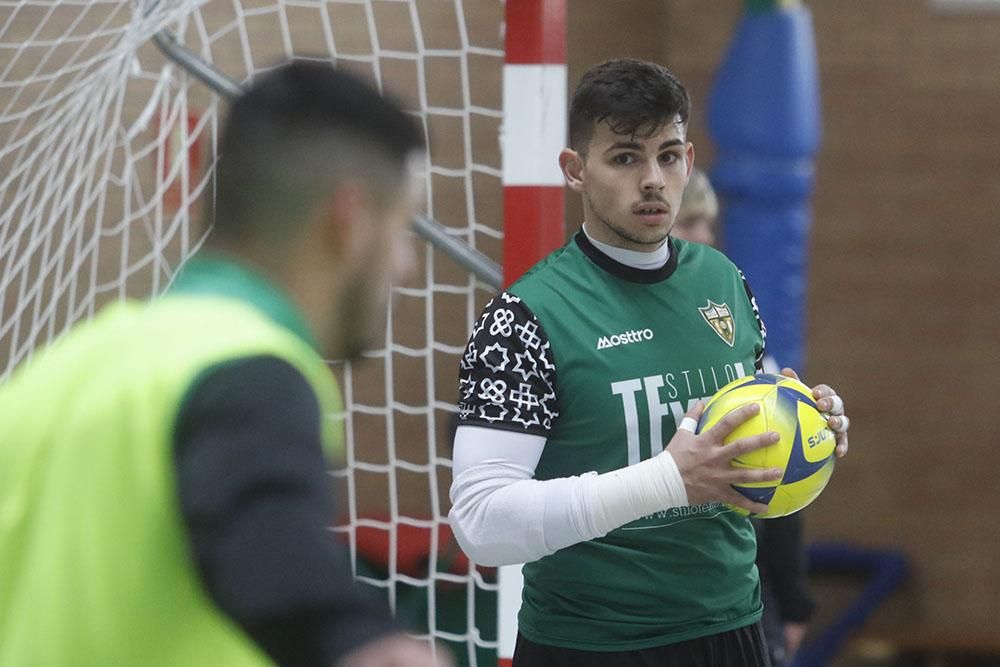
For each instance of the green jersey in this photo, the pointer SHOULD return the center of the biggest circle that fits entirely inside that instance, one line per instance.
(604, 360)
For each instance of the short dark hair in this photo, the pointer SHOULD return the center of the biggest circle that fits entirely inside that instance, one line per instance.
(633, 97)
(292, 134)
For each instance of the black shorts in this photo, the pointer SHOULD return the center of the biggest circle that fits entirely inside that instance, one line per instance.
(742, 647)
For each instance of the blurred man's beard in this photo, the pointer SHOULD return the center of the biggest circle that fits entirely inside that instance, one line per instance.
(362, 319)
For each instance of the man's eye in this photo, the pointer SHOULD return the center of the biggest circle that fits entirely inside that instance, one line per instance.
(668, 158)
(624, 158)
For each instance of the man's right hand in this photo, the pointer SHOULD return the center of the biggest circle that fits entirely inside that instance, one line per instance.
(705, 463)
(397, 651)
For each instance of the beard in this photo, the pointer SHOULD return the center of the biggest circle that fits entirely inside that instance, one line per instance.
(362, 316)
(652, 237)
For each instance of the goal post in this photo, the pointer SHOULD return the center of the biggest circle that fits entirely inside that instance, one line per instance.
(534, 132)
(534, 94)
(99, 201)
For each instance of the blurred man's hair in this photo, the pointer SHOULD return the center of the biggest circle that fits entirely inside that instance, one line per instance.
(297, 132)
(634, 98)
(699, 200)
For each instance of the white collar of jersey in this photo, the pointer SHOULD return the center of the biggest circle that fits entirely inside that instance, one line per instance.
(636, 259)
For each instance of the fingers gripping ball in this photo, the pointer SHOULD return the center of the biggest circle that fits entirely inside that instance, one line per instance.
(805, 451)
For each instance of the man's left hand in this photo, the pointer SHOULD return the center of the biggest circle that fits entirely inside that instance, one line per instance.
(830, 404)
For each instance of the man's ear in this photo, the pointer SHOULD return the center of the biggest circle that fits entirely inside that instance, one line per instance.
(689, 151)
(571, 164)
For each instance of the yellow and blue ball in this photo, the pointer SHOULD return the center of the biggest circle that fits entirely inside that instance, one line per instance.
(805, 451)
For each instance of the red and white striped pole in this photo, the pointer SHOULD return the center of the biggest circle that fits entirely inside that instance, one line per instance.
(534, 131)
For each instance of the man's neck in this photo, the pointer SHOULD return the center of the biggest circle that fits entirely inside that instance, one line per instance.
(652, 259)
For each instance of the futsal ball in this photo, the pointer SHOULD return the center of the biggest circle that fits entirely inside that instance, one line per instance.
(805, 451)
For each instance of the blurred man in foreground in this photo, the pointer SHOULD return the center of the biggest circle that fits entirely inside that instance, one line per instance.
(164, 498)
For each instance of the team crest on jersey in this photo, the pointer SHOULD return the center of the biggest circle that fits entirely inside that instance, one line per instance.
(720, 318)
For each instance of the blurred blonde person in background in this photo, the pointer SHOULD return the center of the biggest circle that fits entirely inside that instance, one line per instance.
(698, 217)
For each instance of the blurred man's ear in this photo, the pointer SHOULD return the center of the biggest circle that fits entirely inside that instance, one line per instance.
(571, 164)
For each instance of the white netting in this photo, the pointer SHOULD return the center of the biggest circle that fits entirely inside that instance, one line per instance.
(106, 149)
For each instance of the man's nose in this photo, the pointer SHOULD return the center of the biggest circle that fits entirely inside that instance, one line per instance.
(404, 262)
(652, 178)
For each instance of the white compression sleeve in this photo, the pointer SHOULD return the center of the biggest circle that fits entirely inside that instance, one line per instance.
(626, 494)
(501, 516)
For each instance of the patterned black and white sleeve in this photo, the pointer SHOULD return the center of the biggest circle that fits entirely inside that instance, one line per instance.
(759, 361)
(507, 375)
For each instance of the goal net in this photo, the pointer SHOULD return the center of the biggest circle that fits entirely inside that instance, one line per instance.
(106, 154)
